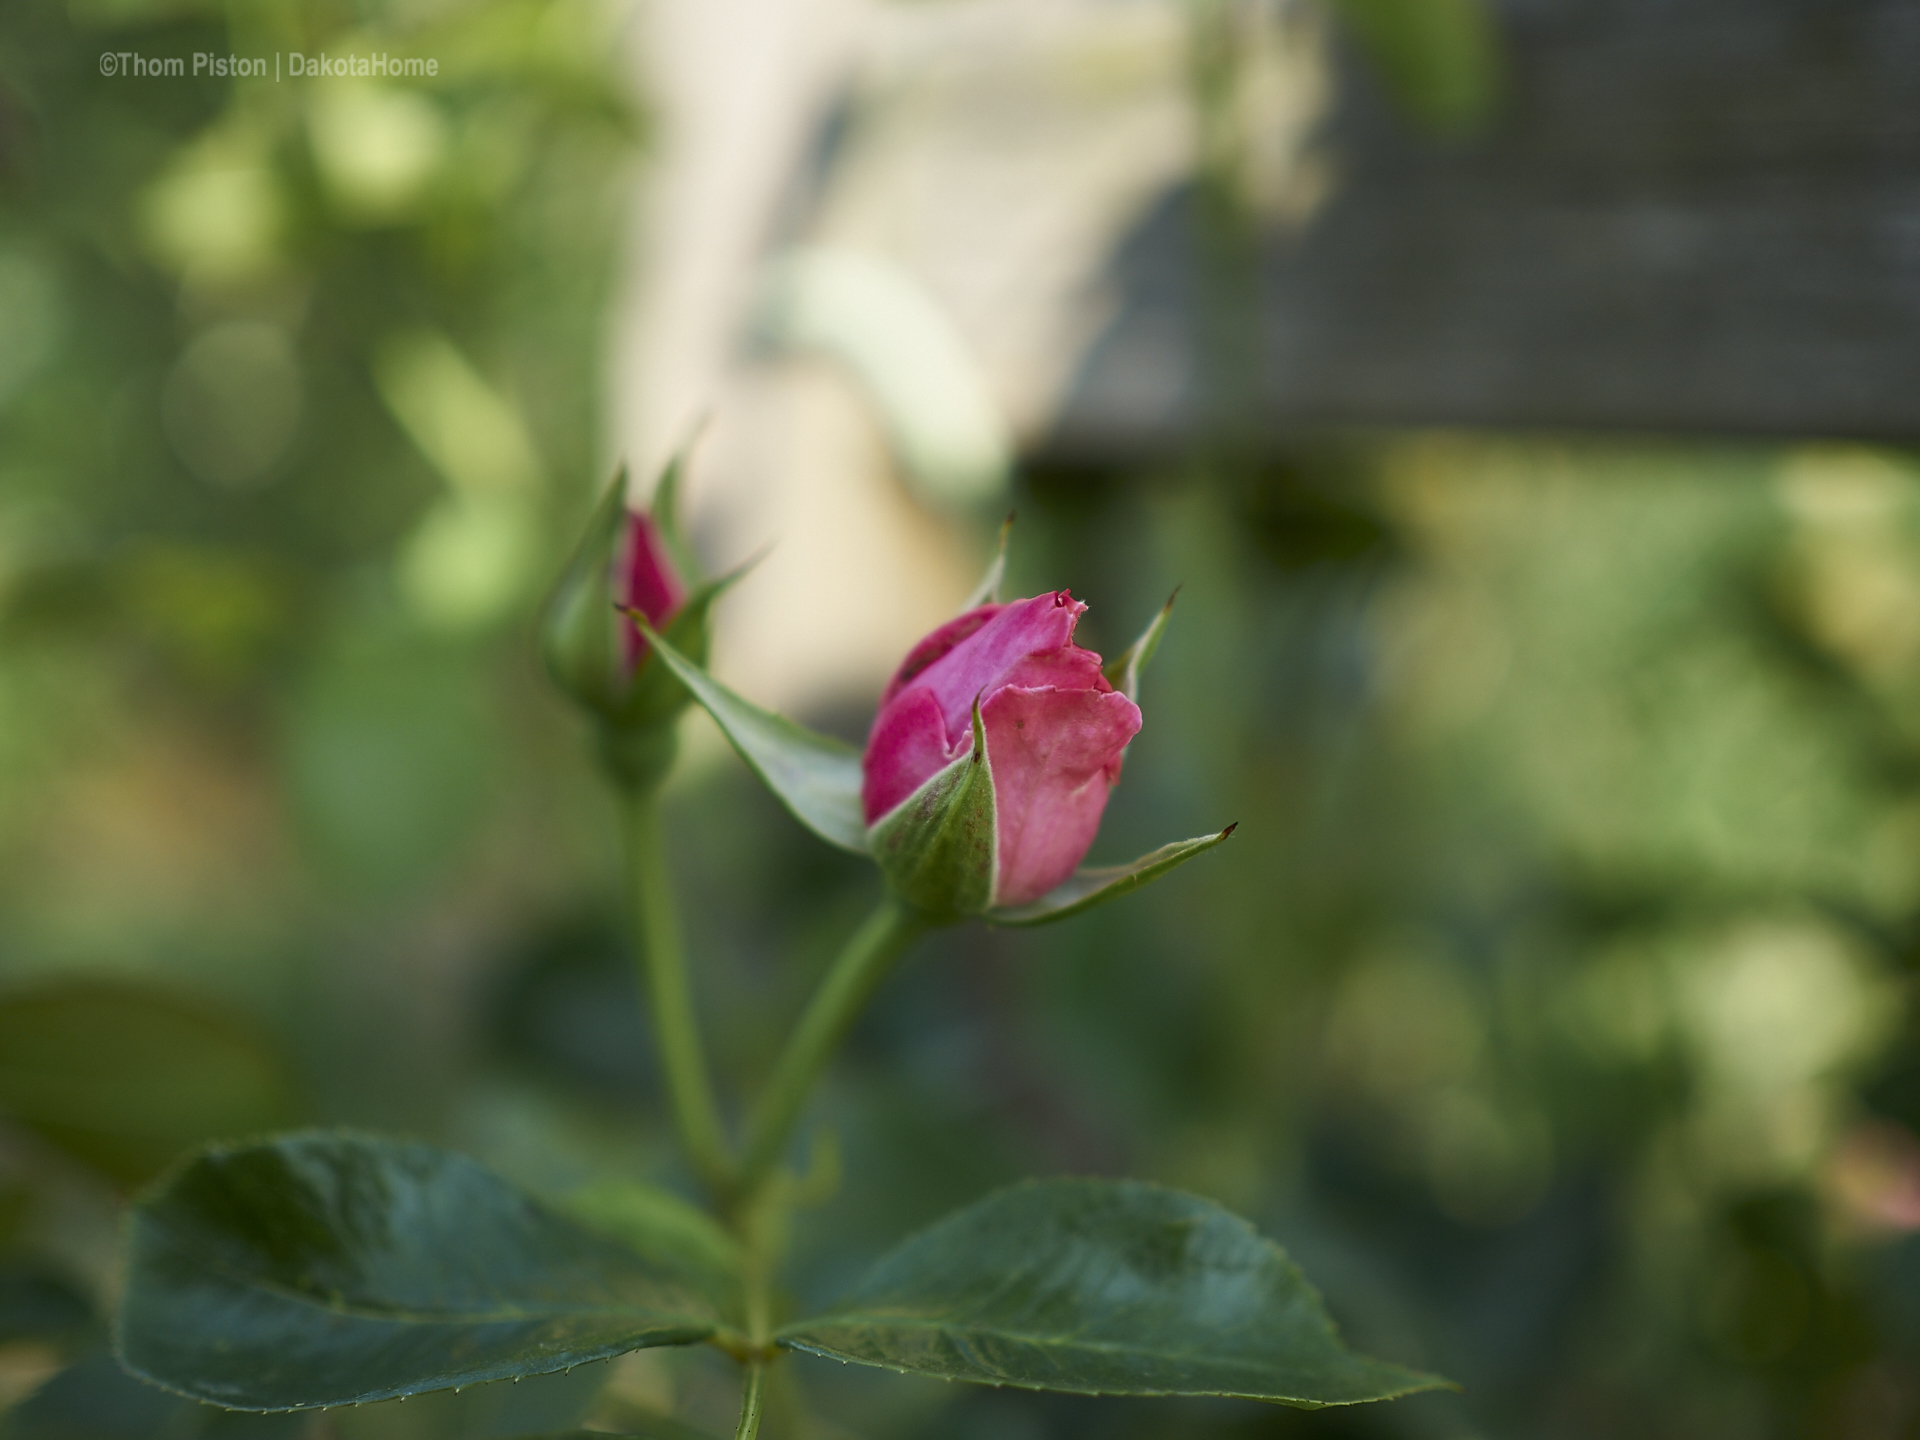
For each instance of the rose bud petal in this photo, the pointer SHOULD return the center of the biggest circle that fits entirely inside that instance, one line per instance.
(644, 579)
(591, 648)
(625, 567)
(1054, 731)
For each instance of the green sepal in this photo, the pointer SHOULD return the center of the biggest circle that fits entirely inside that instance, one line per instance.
(637, 757)
(1123, 671)
(937, 848)
(664, 506)
(577, 639)
(987, 592)
(656, 695)
(815, 776)
(579, 632)
(327, 1268)
(1101, 1287)
(1097, 885)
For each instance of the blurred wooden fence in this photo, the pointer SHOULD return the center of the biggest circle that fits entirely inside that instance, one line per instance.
(1689, 215)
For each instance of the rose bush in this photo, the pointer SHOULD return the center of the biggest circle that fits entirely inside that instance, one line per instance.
(324, 1268)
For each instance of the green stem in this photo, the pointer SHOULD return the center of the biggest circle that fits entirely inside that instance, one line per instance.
(663, 970)
(864, 963)
(750, 1401)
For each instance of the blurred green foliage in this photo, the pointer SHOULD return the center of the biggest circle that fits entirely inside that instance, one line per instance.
(299, 390)
(1550, 1002)
(125, 1079)
(298, 379)
(1441, 60)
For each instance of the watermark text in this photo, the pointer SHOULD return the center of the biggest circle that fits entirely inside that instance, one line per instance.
(291, 64)
(366, 67)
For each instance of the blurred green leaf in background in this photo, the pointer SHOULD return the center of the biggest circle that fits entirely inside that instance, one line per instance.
(1440, 59)
(298, 393)
(126, 1078)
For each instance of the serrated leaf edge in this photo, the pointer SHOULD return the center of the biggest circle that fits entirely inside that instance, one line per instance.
(787, 1337)
(153, 1189)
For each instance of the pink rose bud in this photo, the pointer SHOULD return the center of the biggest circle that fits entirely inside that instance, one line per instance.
(644, 579)
(1054, 728)
(593, 648)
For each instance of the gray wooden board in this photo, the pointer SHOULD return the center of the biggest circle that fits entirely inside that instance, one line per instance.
(1690, 215)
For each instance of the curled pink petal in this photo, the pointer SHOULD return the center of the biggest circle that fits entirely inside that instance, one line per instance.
(908, 746)
(1055, 754)
(935, 646)
(644, 579)
(1055, 732)
(1068, 668)
(972, 663)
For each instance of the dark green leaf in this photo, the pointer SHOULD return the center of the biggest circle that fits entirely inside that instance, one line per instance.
(657, 1428)
(937, 846)
(813, 775)
(1123, 671)
(659, 1226)
(126, 1078)
(326, 1269)
(1096, 886)
(532, 1405)
(1101, 1287)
